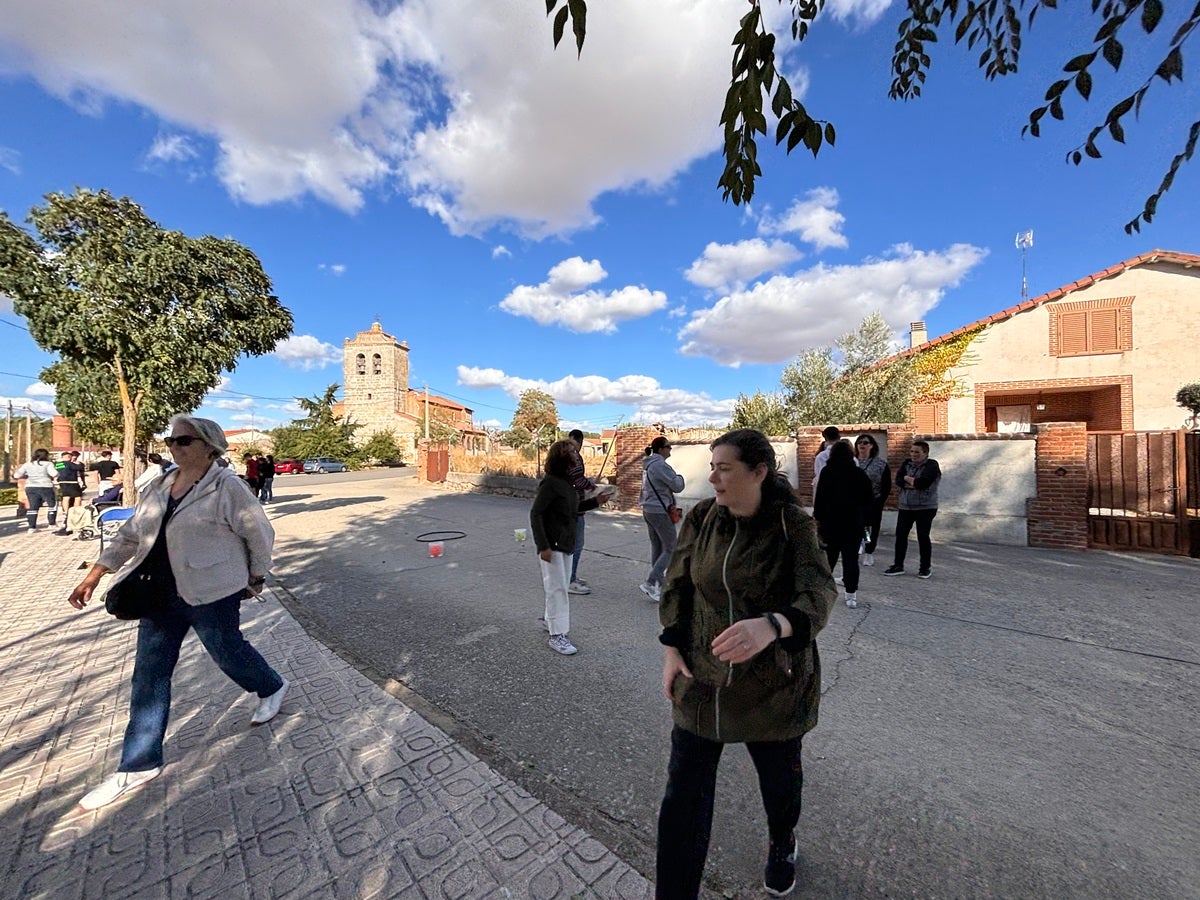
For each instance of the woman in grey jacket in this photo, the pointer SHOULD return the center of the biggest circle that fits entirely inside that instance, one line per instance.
(660, 484)
(206, 543)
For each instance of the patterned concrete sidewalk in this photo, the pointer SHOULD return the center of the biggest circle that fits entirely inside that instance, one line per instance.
(348, 793)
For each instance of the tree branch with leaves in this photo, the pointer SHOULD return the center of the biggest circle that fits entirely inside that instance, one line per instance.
(995, 25)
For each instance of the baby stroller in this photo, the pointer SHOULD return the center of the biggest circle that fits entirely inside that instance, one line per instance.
(88, 521)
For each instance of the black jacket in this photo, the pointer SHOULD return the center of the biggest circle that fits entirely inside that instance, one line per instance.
(844, 499)
(552, 517)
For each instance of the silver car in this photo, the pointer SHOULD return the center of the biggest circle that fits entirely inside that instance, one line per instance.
(322, 465)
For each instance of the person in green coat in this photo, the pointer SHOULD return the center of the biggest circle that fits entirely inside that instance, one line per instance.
(747, 590)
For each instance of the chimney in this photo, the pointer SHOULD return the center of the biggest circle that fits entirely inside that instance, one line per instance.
(916, 334)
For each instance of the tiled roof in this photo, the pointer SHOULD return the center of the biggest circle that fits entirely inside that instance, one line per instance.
(1187, 260)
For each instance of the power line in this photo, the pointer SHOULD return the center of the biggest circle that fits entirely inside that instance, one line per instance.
(14, 324)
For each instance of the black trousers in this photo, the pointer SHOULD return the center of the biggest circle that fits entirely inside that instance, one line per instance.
(845, 546)
(923, 519)
(874, 521)
(685, 818)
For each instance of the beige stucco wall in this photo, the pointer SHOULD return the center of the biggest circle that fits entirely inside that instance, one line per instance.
(1166, 335)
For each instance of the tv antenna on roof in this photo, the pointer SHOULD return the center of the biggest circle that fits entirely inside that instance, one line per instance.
(1023, 242)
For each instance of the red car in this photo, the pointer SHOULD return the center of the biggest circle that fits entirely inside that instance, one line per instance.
(289, 467)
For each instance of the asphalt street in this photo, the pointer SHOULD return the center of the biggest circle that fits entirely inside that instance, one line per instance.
(1023, 724)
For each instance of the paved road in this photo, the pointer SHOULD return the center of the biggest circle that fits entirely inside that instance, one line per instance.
(1023, 724)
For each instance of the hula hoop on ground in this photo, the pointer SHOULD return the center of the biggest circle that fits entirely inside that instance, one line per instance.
(431, 536)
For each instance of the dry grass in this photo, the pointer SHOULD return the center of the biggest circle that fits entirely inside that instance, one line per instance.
(512, 464)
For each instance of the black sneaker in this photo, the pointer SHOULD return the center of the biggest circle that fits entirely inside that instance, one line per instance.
(779, 877)
(894, 570)
(924, 573)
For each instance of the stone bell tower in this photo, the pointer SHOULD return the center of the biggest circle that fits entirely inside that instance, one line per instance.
(375, 370)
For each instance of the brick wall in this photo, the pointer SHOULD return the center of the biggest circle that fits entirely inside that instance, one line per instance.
(628, 452)
(1058, 516)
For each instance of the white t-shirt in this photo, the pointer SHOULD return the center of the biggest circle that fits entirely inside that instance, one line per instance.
(39, 474)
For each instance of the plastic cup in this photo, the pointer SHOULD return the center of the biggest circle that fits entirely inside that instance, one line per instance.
(435, 549)
(519, 534)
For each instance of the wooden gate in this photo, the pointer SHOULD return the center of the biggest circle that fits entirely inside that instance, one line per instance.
(437, 462)
(1138, 490)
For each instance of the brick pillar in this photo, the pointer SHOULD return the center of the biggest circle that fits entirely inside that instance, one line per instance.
(63, 437)
(422, 460)
(899, 446)
(808, 444)
(628, 453)
(1057, 517)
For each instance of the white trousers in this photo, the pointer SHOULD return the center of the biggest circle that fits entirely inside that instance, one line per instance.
(554, 582)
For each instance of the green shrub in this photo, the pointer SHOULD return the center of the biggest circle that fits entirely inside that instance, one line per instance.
(8, 496)
(1189, 397)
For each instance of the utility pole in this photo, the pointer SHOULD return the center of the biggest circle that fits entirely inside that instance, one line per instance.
(28, 433)
(8, 444)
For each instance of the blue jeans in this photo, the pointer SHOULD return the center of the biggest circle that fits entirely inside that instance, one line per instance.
(218, 626)
(266, 493)
(578, 546)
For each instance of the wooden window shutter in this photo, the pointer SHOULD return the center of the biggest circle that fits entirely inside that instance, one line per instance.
(1072, 333)
(1104, 336)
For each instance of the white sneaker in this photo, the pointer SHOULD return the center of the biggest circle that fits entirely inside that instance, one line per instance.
(559, 644)
(578, 587)
(838, 580)
(269, 706)
(852, 600)
(653, 591)
(868, 559)
(115, 786)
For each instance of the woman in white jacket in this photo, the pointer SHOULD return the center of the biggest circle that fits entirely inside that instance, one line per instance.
(38, 476)
(203, 537)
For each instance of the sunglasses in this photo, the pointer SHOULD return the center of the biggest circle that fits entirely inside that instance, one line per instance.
(184, 440)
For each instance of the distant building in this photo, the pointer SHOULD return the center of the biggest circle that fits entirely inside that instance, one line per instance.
(243, 439)
(376, 395)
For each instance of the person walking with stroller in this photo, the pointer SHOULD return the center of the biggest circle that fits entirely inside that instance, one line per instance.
(205, 543)
(39, 476)
(660, 484)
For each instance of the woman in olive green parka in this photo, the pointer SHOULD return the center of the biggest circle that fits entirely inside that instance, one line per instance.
(747, 591)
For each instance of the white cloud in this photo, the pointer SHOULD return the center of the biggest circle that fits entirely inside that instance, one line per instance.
(781, 318)
(332, 268)
(40, 389)
(677, 312)
(225, 403)
(815, 219)
(10, 159)
(41, 408)
(863, 12)
(561, 300)
(171, 148)
(303, 351)
(466, 105)
(727, 267)
(647, 399)
(500, 250)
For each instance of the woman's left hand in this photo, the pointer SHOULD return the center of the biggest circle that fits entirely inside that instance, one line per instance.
(744, 640)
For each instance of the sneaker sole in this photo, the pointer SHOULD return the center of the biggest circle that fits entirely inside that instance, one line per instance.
(783, 892)
(889, 574)
(926, 575)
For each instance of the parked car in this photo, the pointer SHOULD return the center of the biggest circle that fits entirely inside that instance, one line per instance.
(289, 466)
(323, 464)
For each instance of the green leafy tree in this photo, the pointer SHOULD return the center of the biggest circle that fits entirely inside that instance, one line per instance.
(155, 315)
(766, 412)
(441, 429)
(383, 447)
(846, 383)
(995, 26)
(535, 422)
(319, 433)
(1188, 397)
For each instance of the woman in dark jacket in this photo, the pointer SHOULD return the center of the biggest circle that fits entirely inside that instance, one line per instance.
(552, 519)
(841, 508)
(867, 458)
(746, 592)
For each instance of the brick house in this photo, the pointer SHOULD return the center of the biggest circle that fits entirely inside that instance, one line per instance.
(1109, 350)
(377, 396)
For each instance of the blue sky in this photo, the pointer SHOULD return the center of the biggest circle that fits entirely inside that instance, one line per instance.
(526, 219)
